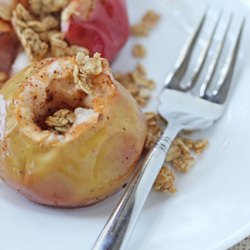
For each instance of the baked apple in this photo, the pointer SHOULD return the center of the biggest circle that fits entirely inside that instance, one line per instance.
(98, 25)
(70, 134)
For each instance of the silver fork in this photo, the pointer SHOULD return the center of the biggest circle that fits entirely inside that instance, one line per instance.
(190, 107)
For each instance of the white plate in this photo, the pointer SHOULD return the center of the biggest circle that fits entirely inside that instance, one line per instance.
(211, 209)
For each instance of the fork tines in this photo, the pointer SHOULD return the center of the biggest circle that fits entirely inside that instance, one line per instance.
(200, 87)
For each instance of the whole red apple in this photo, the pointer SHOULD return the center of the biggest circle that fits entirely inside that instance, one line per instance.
(98, 25)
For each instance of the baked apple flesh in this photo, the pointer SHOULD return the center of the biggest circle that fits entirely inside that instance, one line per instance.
(79, 162)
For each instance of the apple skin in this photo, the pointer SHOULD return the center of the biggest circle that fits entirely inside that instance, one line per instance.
(94, 161)
(102, 28)
(8, 46)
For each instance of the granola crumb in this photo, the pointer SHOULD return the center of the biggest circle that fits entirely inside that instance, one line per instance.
(200, 146)
(180, 153)
(137, 83)
(86, 67)
(35, 48)
(165, 180)
(173, 153)
(44, 25)
(151, 18)
(188, 142)
(183, 147)
(147, 23)
(44, 7)
(61, 120)
(183, 163)
(197, 146)
(74, 50)
(154, 129)
(139, 51)
(58, 45)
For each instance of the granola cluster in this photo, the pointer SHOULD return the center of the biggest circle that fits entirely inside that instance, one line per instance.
(137, 83)
(85, 68)
(61, 120)
(146, 24)
(44, 7)
(40, 34)
(154, 129)
(139, 51)
(180, 155)
(165, 180)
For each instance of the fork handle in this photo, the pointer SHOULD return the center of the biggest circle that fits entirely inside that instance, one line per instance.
(119, 226)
